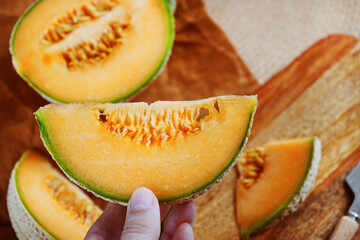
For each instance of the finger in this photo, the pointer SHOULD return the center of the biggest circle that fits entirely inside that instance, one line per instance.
(182, 213)
(164, 211)
(109, 225)
(184, 232)
(143, 217)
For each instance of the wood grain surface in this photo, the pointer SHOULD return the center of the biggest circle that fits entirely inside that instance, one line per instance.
(317, 95)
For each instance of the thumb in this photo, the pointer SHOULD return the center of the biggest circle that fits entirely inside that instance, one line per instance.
(142, 217)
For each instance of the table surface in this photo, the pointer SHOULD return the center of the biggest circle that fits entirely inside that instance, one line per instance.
(317, 94)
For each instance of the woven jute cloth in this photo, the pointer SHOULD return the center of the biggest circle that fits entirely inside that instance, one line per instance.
(268, 35)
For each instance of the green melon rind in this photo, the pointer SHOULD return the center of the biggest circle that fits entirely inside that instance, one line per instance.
(13, 56)
(46, 138)
(22, 220)
(299, 195)
(173, 5)
(169, 7)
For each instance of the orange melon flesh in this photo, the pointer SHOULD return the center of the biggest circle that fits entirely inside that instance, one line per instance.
(31, 174)
(141, 53)
(287, 166)
(97, 157)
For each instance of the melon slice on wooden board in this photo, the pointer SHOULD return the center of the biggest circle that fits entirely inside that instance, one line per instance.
(274, 180)
(92, 50)
(43, 204)
(177, 149)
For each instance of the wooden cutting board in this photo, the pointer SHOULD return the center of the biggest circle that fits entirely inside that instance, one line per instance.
(316, 95)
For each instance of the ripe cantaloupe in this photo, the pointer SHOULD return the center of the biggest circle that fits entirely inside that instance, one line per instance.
(92, 50)
(176, 149)
(274, 180)
(43, 204)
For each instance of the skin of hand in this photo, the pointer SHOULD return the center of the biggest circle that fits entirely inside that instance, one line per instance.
(142, 220)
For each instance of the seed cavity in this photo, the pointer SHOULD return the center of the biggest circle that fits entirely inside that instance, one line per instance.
(67, 23)
(93, 51)
(216, 106)
(83, 210)
(203, 112)
(102, 118)
(252, 163)
(153, 127)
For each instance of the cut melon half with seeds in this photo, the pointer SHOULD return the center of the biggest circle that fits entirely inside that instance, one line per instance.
(176, 149)
(274, 180)
(92, 50)
(43, 204)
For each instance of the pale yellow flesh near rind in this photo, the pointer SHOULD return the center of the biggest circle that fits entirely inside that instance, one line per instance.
(139, 59)
(34, 212)
(113, 168)
(24, 225)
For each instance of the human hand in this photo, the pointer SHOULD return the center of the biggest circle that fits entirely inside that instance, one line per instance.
(141, 220)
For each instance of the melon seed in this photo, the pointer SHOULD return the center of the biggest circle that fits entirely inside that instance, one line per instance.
(260, 161)
(151, 127)
(251, 174)
(89, 208)
(60, 190)
(88, 52)
(67, 23)
(252, 163)
(251, 167)
(84, 211)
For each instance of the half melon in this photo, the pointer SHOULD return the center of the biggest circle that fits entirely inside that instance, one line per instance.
(176, 149)
(274, 180)
(92, 50)
(43, 204)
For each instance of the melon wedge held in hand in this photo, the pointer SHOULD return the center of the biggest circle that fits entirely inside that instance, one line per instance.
(274, 180)
(92, 50)
(176, 149)
(43, 204)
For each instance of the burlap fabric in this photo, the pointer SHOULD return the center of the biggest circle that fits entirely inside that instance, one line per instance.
(268, 35)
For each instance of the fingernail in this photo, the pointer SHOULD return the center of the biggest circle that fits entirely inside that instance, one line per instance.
(92, 237)
(142, 198)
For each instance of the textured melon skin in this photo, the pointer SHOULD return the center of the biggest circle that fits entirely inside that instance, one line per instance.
(170, 9)
(123, 200)
(301, 193)
(21, 219)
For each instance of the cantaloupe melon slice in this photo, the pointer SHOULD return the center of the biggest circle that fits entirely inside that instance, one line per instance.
(274, 180)
(176, 149)
(92, 50)
(43, 204)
